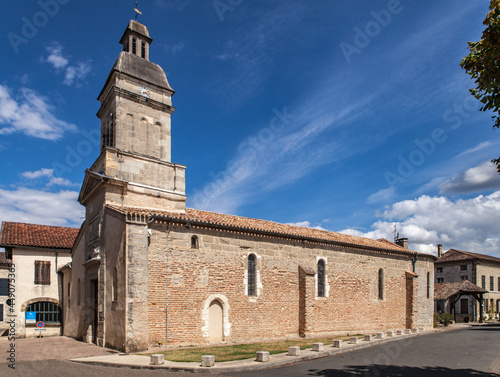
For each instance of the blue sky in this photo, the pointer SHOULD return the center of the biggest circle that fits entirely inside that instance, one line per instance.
(350, 116)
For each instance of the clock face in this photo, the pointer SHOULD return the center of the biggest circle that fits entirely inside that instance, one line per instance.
(143, 91)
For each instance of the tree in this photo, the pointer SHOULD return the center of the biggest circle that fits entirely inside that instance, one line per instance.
(483, 65)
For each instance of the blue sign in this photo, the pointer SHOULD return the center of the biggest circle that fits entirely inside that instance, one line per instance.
(30, 317)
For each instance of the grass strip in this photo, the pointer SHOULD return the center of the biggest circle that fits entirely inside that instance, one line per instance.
(241, 351)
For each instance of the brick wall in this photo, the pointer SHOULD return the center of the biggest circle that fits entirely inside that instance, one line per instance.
(218, 268)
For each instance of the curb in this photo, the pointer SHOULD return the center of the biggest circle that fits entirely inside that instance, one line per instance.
(268, 365)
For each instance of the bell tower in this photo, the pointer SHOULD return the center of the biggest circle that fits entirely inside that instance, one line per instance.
(134, 168)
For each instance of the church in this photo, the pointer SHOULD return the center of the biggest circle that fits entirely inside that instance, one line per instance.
(148, 272)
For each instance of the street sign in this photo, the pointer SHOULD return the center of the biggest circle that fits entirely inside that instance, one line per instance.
(30, 317)
(40, 325)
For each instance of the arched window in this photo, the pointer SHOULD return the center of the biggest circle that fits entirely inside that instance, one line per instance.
(143, 50)
(252, 275)
(194, 242)
(134, 46)
(321, 278)
(428, 285)
(79, 292)
(381, 284)
(115, 285)
(47, 312)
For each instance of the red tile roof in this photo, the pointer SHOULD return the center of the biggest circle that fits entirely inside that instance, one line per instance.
(196, 216)
(34, 235)
(454, 255)
(443, 291)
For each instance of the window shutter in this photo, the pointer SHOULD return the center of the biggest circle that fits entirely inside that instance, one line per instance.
(38, 272)
(46, 273)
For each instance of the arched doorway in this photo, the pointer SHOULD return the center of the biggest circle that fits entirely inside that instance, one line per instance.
(215, 322)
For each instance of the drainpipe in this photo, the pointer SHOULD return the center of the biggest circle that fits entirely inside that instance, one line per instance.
(166, 287)
(414, 262)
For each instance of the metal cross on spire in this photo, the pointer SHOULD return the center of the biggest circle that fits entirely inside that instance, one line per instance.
(137, 11)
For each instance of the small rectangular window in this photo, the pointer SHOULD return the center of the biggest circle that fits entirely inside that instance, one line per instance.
(498, 285)
(439, 270)
(42, 272)
(1, 312)
(483, 282)
(463, 267)
(440, 280)
(464, 277)
(464, 306)
(492, 283)
(4, 287)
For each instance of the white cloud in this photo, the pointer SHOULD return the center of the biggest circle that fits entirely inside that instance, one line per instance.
(173, 49)
(306, 224)
(477, 148)
(30, 114)
(466, 224)
(55, 56)
(476, 179)
(40, 207)
(76, 73)
(48, 173)
(381, 196)
(73, 73)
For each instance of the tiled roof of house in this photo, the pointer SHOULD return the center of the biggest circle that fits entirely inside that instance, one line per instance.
(34, 235)
(443, 291)
(454, 255)
(196, 216)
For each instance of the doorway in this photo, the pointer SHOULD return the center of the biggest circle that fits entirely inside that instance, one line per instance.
(94, 294)
(215, 322)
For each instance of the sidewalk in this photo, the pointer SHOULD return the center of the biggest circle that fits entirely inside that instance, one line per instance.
(278, 360)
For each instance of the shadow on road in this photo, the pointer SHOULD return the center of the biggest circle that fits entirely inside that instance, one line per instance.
(488, 327)
(386, 370)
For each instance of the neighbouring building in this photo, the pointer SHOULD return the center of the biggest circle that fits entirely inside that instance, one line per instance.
(4, 291)
(36, 252)
(146, 270)
(480, 269)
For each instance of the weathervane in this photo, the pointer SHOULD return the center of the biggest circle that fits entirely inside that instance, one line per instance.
(137, 11)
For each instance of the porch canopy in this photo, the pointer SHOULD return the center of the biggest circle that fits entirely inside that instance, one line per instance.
(453, 291)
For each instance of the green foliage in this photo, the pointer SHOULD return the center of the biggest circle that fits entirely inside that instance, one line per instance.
(483, 65)
(445, 318)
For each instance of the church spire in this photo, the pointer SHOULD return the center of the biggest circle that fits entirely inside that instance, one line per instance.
(136, 39)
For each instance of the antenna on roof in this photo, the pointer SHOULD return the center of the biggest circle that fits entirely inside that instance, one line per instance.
(137, 11)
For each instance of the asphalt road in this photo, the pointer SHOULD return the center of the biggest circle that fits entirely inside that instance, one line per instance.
(467, 352)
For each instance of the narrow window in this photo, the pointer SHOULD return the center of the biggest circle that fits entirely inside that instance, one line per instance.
(42, 272)
(464, 306)
(486, 305)
(69, 295)
(194, 242)
(381, 284)
(465, 277)
(1, 312)
(321, 278)
(125, 47)
(114, 294)
(492, 283)
(483, 282)
(134, 46)
(440, 280)
(428, 285)
(252, 278)
(498, 285)
(79, 292)
(143, 50)
(4, 287)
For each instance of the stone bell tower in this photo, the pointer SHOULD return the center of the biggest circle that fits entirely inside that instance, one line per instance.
(134, 168)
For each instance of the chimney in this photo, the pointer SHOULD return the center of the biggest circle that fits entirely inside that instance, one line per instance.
(403, 242)
(440, 250)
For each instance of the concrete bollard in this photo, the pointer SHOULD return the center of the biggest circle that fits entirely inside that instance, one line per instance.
(262, 356)
(337, 343)
(407, 331)
(318, 347)
(354, 340)
(157, 359)
(380, 335)
(414, 331)
(208, 361)
(399, 332)
(294, 351)
(368, 337)
(390, 333)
